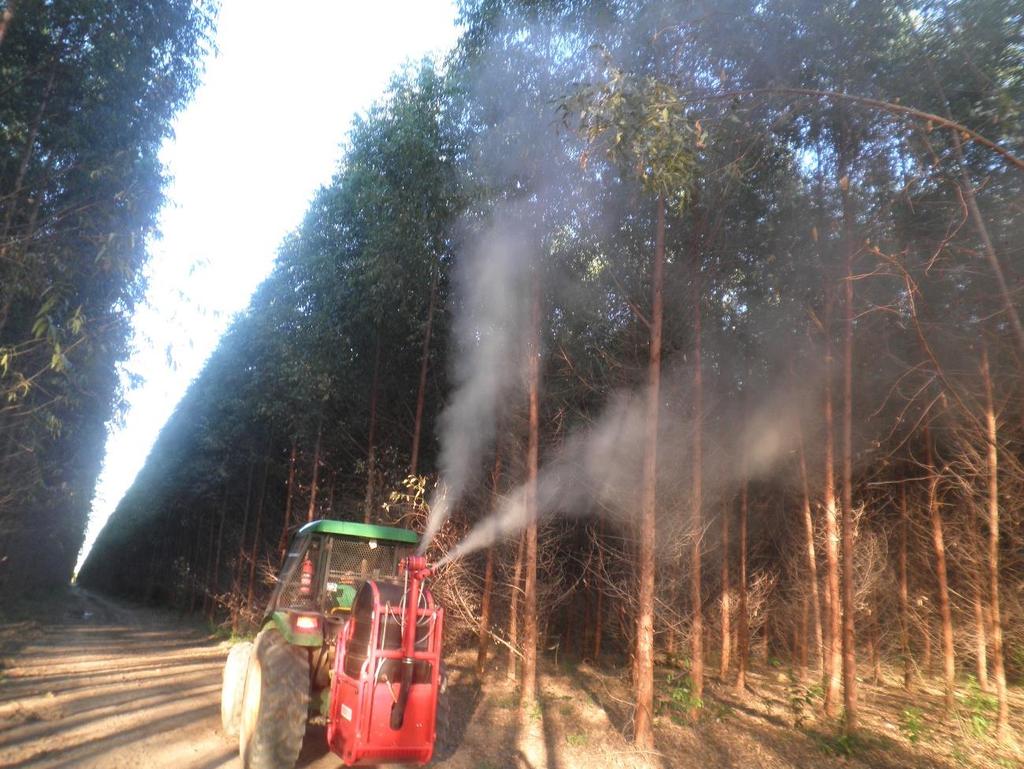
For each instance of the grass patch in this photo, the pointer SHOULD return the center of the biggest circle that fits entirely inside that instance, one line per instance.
(843, 745)
(535, 711)
(508, 701)
(912, 724)
(980, 708)
(801, 700)
(681, 703)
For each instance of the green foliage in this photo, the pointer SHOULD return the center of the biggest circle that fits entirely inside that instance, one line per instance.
(960, 756)
(979, 708)
(639, 123)
(508, 701)
(844, 745)
(912, 724)
(576, 740)
(412, 501)
(681, 703)
(840, 745)
(802, 700)
(1015, 655)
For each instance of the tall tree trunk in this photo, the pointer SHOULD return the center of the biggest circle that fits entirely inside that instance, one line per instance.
(874, 639)
(980, 635)
(528, 685)
(643, 673)
(484, 626)
(743, 615)
(236, 579)
(696, 501)
(833, 657)
(208, 575)
(311, 513)
(194, 567)
(945, 613)
(585, 640)
(849, 607)
(371, 451)
(513, 608)
(926, 653)
(723, 661)
(282, 545)
(220, 541)
(421, 392)
(598, 614)
(998, 669)
(904, 591)
(256, 533)
(812, 560)
(484, 629)
(800, 640)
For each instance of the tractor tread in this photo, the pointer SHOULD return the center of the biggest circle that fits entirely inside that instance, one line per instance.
(271, 736)
(232, 686)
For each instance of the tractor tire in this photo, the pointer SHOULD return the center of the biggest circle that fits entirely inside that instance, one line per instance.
(232, 687)
(275, 705)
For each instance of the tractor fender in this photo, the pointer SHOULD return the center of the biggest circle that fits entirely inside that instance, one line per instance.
(283, 622)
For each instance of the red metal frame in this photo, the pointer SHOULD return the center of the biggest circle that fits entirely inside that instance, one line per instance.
(359, 728)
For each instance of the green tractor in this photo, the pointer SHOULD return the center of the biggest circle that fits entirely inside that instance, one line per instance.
(275, 684)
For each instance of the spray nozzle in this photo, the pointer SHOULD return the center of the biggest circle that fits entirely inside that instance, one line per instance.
(415, 566)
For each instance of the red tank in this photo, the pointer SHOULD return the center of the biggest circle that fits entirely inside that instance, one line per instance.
(387, 673)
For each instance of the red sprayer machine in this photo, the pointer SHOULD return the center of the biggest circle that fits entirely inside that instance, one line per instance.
(351, 634)
(387, 672)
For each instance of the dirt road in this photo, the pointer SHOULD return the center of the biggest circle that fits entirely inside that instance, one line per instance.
(106, 686)
(109, 687)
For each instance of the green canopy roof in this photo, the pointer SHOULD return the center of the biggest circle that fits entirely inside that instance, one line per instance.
(361, 530)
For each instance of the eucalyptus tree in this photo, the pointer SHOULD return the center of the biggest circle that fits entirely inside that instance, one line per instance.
(639, 123)
(90, 89)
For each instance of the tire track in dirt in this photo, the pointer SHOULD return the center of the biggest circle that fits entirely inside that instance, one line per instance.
(108, 686)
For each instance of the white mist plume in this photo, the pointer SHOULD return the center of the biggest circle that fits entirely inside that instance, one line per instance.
(492, 281)
(597, 469)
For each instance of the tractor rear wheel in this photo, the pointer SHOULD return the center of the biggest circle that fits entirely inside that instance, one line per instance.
(232, 687)
(275, 704)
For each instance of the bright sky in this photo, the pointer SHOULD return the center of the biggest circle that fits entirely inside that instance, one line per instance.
(262, 134)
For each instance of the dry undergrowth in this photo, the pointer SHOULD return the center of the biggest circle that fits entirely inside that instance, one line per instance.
(584, 716)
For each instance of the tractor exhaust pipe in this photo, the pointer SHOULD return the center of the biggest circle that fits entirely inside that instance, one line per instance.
(416, 569)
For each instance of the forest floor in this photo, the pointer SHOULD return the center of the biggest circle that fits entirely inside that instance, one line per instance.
(100, 685)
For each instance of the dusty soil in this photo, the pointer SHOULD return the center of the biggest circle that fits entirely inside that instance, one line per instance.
(105, 686)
